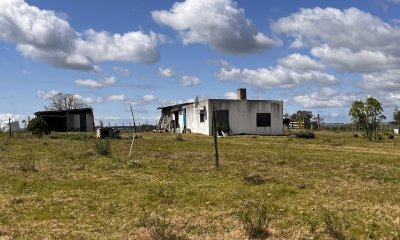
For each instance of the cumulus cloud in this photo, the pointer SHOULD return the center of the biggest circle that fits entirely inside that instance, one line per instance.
(120, 97)
(122, 71)
(230, 95)
(85, 100)
(300, 63)
(278, 76)
(128, 47)
(14, 117)
(189, 81)
(44, 35)
(166, 72)
(348, 40)
(104, 82)
(221, 24)
(388, 81)
(46, 95)
(324, 98)
(344, 59)
(148, 97)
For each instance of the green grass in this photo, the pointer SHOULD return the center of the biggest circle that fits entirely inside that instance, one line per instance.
(58, 187)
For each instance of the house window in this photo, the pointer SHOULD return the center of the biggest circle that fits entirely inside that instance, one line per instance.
(201, 115)
(263, 119)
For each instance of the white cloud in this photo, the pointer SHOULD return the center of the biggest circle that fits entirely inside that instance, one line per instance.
(148, 97)
(14, 117)
(230, 95)
(46, 95)
(348, 40)
(388, 81)
(99, 100)
(167, 102)
(86, 100)
(120, 97)
(128, 47)
(218, 23)
(344, 59)
(189, 81)
(104, 82)
(44, 35)
(274, 77)
(122, 71)
(166, 72)
(324, 98)
(300, 62)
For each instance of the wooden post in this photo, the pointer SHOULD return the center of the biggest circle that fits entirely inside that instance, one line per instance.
(9, 126)
(133, 119)
(215, 133)
(133, 139)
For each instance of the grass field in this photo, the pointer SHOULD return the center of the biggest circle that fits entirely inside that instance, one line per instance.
(333, 186)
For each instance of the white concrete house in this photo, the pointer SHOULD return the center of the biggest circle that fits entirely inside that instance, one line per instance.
(241, 116)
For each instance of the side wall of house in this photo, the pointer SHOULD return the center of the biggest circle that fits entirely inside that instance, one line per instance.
(193, 118)
(243, 116)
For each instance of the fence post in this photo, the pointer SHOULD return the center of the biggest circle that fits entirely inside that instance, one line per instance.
(215, 133)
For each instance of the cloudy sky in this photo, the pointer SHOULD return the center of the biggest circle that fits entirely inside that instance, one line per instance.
(314, 55)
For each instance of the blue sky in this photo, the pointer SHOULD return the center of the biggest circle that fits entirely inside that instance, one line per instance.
(314, 55)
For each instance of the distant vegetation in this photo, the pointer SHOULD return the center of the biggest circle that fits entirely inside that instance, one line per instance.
(333, 186)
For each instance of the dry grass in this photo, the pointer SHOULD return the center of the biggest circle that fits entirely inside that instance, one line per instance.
(67, 190)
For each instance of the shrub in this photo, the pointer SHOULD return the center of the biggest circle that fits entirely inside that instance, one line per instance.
(355, 135)
(165, 192)
(28, 166)
(38, 127)
(253, 215)
(179, 137)
(312, 221)
(335, 226)
(390, 136)
(103, 147)
(255, 179)
(158, 226)
(135, 164)
(307, 134)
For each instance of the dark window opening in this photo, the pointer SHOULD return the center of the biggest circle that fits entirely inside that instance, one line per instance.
(202, 116)
(263, 119)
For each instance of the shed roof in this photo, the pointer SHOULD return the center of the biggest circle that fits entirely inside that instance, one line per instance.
(64, 112)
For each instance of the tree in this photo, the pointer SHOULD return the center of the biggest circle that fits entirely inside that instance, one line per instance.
(303, 118)
(38, 127)
(367, 115)
(396, 115)
(64, 101)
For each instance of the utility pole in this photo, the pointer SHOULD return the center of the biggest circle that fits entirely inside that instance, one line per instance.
(215, 133)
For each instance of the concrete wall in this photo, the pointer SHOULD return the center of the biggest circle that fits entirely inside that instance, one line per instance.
(243, 115)
(193, 118)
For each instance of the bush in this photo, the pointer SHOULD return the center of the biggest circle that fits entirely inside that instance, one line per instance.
(165, 192)
(390, 136)
(305, 135)
(335, 226)
(253, 216)
(255, 179)
(179, 137)
(158, 226)
(355, 135)
(103, 147)
(28, 166)
(38, 127)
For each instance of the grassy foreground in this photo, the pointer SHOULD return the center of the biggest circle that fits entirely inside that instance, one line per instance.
(333, 186)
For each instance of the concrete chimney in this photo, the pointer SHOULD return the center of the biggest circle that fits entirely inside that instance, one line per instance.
(241, 94)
